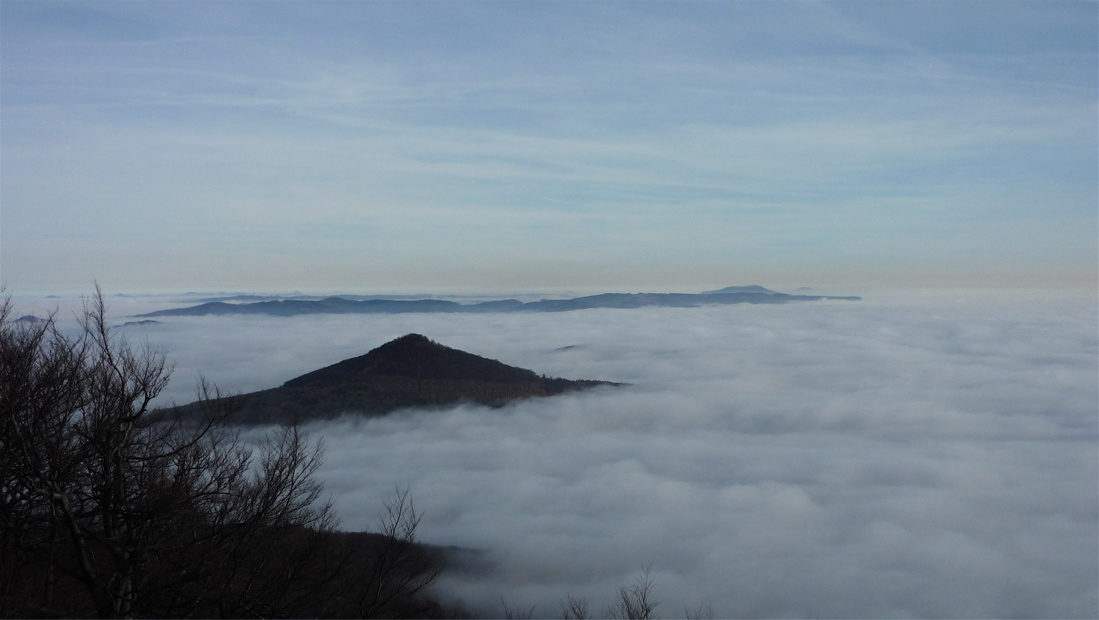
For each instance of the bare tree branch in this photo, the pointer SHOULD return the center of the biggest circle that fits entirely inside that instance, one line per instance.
(146, 513)
(635, 602)
(574, 608)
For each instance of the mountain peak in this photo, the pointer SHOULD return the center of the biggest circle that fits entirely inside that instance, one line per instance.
(751, 288)
(410, 341)
(416, 356)
(410, 371)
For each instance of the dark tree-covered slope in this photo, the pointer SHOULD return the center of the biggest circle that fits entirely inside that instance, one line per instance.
(411, 371)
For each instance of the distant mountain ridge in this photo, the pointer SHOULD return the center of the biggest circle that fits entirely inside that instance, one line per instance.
(411, 371)
(753, 288)
(753, 294)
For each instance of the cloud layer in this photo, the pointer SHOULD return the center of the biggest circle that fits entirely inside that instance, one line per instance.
(897, 457)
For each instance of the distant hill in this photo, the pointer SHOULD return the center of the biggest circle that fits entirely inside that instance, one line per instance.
(411, 371)
(29, 318)
(753, 288)
(136, 323)
(753, 294)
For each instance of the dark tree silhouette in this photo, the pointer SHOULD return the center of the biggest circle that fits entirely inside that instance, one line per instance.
(635, 601)
(399, 570)
(109, 508)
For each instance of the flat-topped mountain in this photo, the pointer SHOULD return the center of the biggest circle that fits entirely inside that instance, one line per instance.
(753, 294)
(411, 371)
(753, 288)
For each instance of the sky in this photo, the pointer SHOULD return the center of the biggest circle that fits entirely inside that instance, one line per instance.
(367, 146)
(931, 455)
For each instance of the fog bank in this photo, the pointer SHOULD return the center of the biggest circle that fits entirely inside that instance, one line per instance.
(931, 455)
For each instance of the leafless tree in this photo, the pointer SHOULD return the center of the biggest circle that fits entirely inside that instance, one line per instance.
(399, 571)
(574, 608)
(144, 512)
(635, 601)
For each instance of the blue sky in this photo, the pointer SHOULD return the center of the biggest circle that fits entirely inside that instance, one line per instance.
(616, 145)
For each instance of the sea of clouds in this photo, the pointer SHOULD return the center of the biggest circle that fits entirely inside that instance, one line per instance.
(928, 454)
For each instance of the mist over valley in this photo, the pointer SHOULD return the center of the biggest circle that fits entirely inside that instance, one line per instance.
(647, 309)
(908, 455)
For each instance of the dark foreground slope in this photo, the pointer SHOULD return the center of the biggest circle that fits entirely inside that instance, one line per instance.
(286, 572)
(339, 305)
(411, 371)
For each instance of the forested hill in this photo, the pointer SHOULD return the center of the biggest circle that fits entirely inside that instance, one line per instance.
(411, 371)
(339, 305)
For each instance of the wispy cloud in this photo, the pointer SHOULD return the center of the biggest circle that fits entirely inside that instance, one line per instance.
(534, 121)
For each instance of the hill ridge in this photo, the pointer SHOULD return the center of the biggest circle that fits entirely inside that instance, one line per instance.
(416, 355)
(412, 371)
(753, 294)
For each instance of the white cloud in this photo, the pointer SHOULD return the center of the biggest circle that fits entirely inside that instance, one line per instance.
(895, 457)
